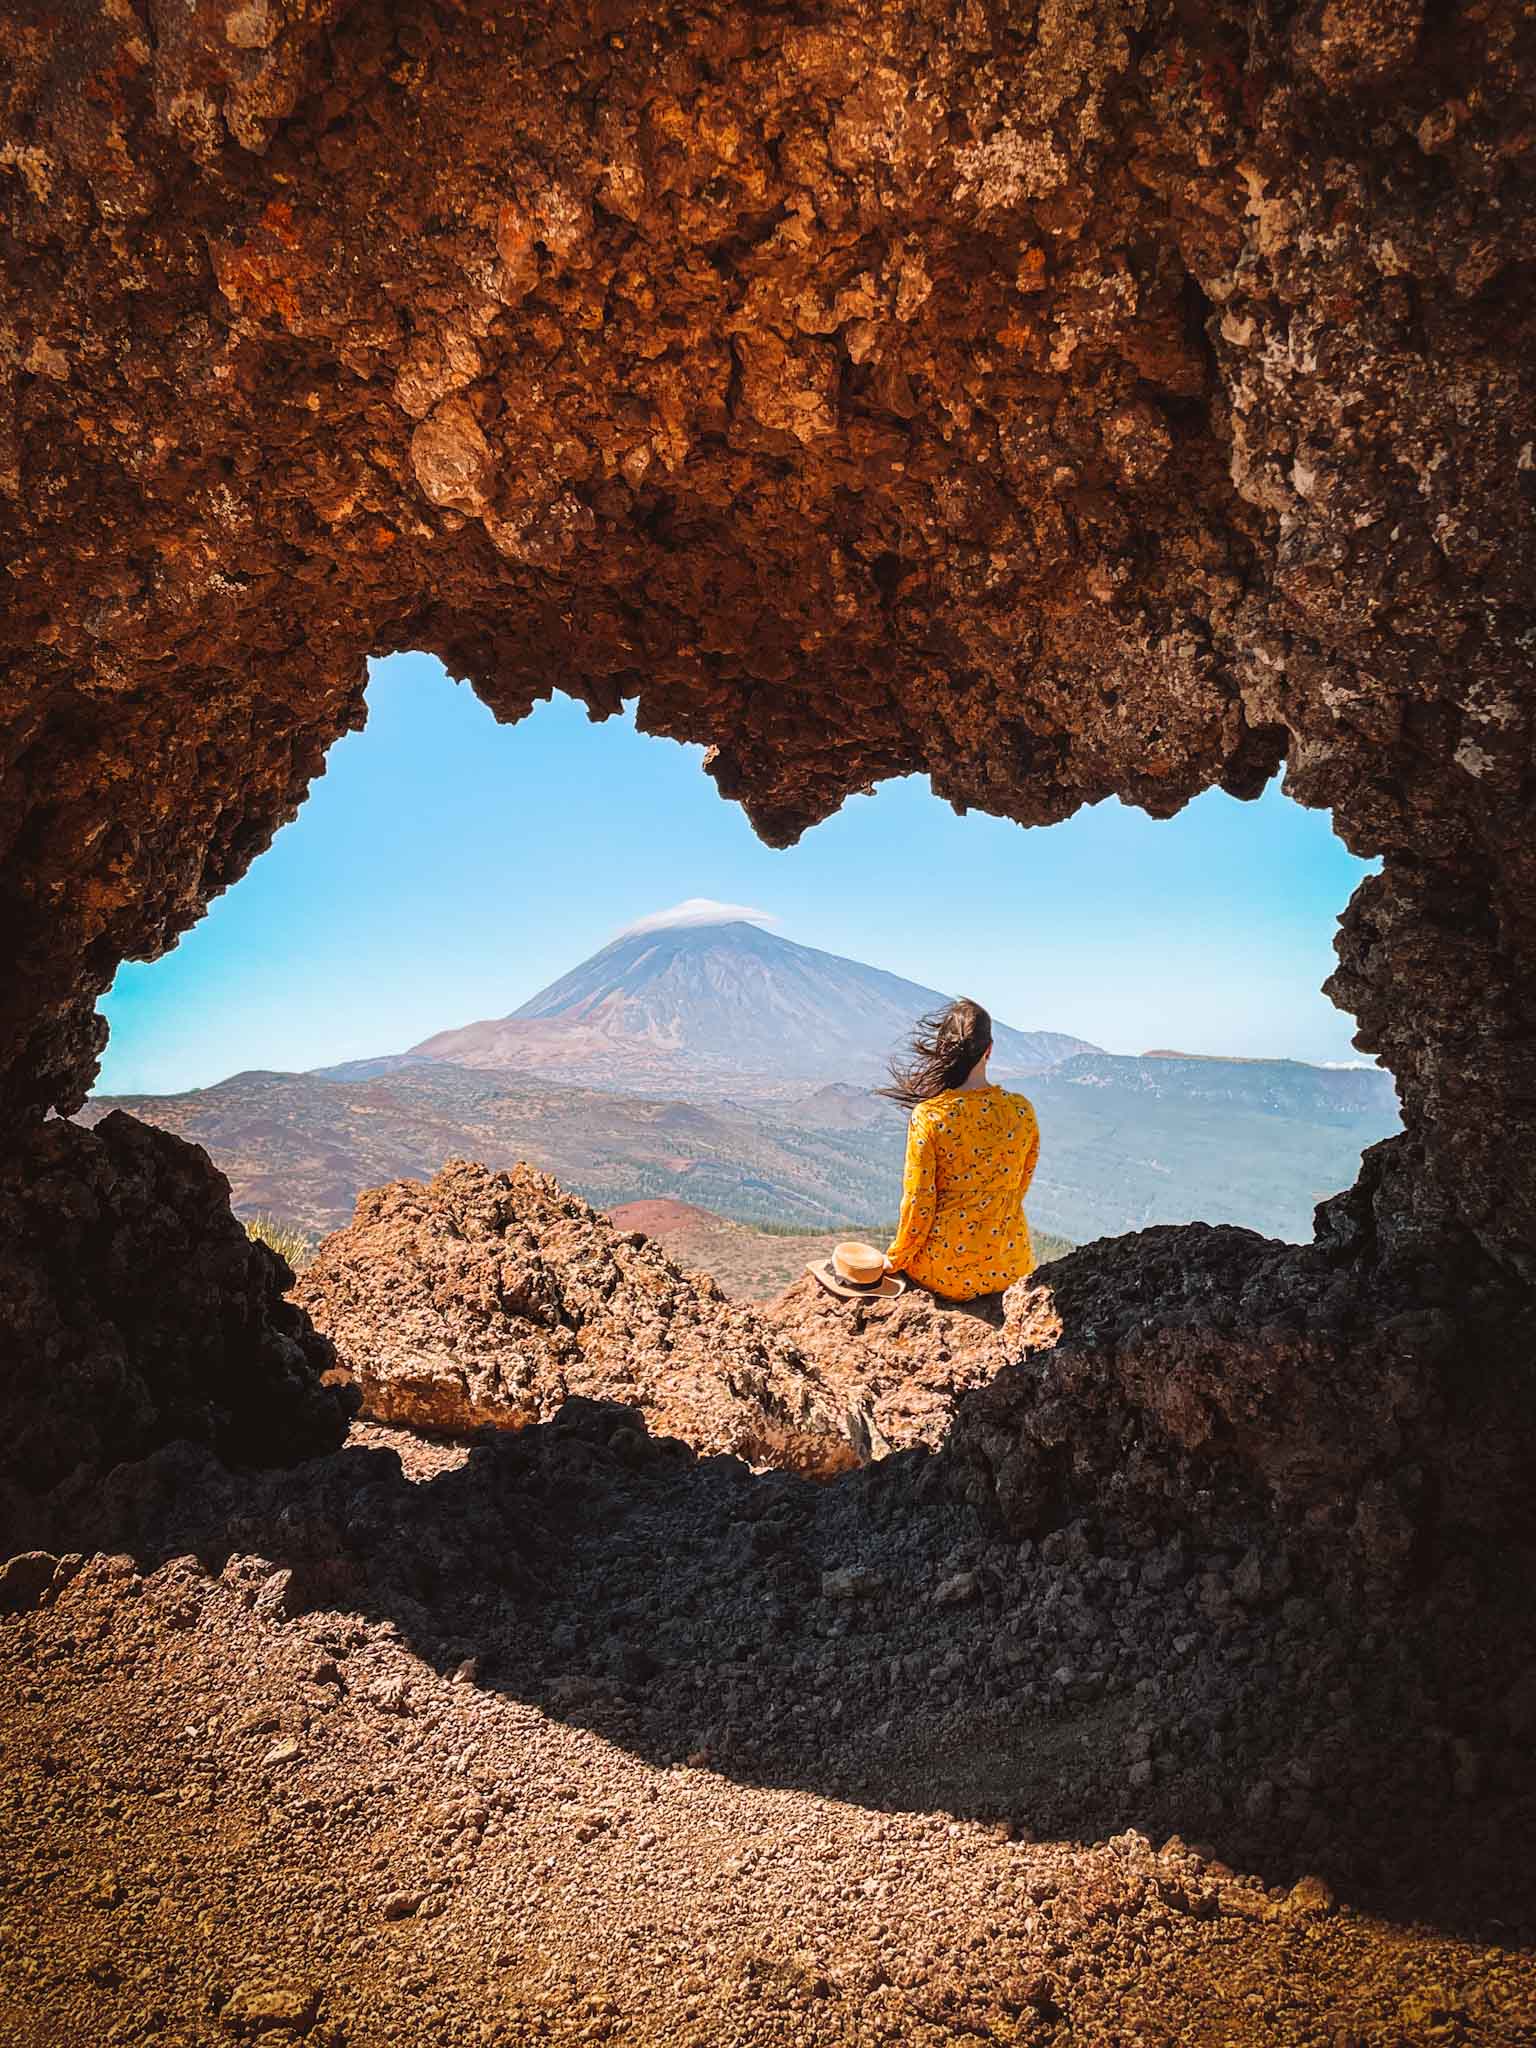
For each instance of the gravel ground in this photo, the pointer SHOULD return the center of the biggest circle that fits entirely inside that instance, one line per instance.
(573, 1736)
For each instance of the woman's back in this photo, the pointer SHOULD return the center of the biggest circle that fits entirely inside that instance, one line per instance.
(971, 1153)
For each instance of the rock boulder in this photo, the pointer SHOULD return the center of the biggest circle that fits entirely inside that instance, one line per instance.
(134, 1309)
(486, 1297)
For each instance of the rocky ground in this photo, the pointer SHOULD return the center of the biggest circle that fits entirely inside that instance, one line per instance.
(909, 1356)
(571, 1734)
(481, 1297)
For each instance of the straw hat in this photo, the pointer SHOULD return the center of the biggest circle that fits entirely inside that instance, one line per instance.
(856, 1270)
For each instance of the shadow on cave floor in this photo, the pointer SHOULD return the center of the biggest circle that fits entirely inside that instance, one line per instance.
(866, 1643)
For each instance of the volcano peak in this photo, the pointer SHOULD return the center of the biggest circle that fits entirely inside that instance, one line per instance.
(691, 995)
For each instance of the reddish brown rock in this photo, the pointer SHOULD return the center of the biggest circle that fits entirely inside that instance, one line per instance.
(134, 1310)
(493, 1297)
(904, 1359)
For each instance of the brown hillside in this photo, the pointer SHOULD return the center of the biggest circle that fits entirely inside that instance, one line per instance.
(751, 1265)
(662, 1213)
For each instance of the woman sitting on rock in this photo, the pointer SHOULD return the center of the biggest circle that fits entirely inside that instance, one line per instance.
(971, 1152)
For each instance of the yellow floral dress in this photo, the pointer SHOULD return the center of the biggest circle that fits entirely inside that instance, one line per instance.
(971, 1155)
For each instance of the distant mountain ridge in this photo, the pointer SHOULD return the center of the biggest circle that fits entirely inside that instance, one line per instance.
(709, 1004)
(303, 1146)
(1266, 1087)
(723, 1067)
(1119, 1149)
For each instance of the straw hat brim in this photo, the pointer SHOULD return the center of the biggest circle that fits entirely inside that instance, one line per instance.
(824, 1271)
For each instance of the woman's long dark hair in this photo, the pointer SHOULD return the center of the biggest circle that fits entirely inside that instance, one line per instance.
(940, 1053)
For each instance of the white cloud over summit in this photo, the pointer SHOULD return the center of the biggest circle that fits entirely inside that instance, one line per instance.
(699, 910)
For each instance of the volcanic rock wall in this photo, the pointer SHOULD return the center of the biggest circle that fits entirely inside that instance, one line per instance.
(133, 1307)
(1097, 398)
(1200, 1377)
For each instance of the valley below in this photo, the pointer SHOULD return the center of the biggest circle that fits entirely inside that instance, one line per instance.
(1124, 1142)
(751, 1263)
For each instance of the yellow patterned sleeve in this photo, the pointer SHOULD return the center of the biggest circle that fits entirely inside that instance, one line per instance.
(918, 1195)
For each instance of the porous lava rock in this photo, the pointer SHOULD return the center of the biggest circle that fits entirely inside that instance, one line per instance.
(486, 1297)
(1206, 1376)
(135, 1310)
(908, 1356)
(1104, 399)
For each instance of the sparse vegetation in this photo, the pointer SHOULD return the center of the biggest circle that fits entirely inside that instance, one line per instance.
(289, 1240)
(755, 1261)
(1047, 1244)
(874, 1233)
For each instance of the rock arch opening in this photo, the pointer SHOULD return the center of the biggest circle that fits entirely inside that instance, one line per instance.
(446, 870)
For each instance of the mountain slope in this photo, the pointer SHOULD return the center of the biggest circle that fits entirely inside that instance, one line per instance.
(1285, 1088)
(1175, 1139)
(1124, 1142)
(302, 1146)
(715, 1002)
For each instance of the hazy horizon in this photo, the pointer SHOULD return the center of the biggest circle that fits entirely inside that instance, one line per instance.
(415, 893)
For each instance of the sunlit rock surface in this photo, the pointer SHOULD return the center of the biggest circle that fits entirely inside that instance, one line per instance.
(911, 1355)
(485, 1297)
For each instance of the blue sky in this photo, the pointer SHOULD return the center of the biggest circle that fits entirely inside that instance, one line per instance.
(445, 867)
